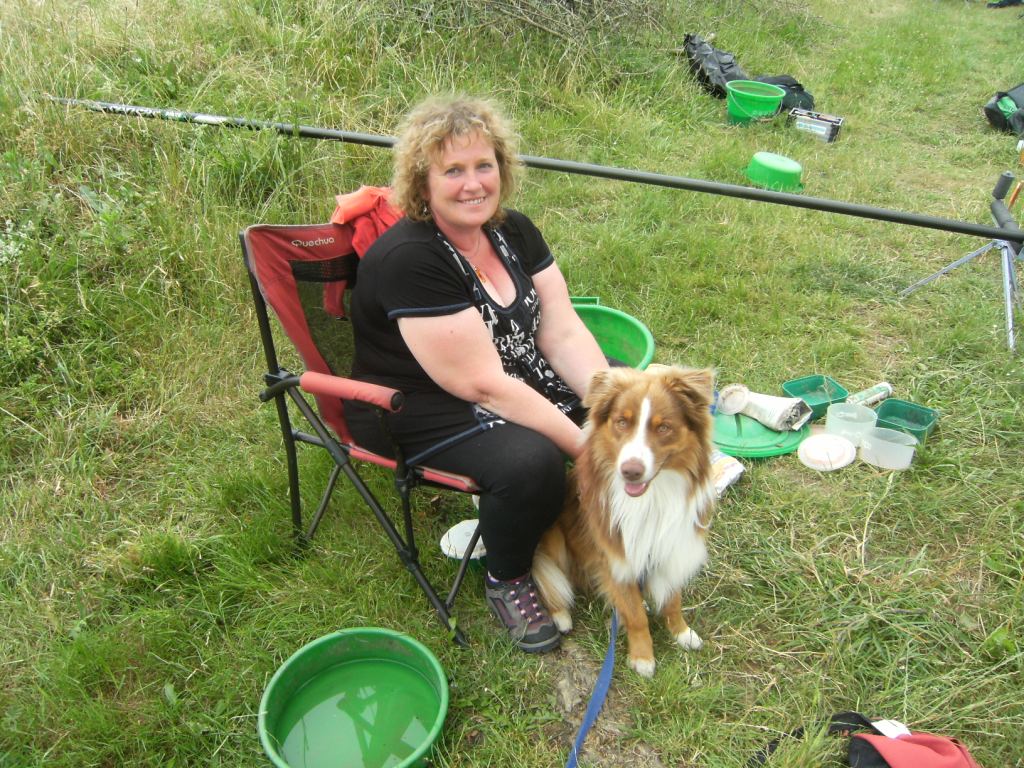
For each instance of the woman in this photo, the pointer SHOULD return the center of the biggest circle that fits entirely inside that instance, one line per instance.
(461, 306)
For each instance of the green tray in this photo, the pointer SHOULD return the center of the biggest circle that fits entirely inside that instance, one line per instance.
(743, 437)
(907, 417)
(817, 391)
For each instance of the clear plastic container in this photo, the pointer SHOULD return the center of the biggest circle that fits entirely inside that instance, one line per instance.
(849, 420)
(888, 448)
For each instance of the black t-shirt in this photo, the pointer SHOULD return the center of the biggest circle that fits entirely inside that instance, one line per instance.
(413, 271)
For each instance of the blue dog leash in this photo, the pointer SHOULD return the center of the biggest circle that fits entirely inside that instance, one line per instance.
(597, 698)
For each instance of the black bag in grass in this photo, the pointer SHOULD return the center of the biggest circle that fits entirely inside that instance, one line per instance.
(1005, 110)
(795, 96)
(712, 68)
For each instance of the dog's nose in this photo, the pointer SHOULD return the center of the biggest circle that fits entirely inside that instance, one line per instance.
(632, 470)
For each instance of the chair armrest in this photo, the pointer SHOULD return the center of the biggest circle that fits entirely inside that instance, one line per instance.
(350, 389)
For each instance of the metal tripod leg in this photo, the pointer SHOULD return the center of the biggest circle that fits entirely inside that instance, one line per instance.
(948, 268)
(1011, 291)
(1011, 299)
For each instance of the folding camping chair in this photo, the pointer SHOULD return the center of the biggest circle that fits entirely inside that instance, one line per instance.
(302, 272)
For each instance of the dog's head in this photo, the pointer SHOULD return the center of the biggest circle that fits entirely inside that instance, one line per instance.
(642, 421)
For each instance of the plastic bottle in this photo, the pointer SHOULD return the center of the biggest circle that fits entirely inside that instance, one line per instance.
(871, 395)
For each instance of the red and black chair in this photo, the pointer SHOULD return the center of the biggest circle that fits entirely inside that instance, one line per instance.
(301, 272)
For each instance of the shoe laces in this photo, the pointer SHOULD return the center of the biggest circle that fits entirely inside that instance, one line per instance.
(524, 597)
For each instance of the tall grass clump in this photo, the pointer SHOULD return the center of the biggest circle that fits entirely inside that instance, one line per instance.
(148, 584)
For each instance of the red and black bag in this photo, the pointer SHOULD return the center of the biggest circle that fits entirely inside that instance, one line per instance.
(899, 749)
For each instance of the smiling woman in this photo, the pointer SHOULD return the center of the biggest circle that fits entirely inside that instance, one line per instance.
(462, 307)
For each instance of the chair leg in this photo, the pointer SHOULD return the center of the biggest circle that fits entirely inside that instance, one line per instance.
(404, 486)
(463, 567)
(293, 465)
(412, 561)
(435, 601)
(406, 549)
(324, 500)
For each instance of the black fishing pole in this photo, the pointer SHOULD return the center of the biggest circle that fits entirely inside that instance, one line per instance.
(1007, 229)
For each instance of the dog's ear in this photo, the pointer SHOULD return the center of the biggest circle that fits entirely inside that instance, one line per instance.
(604, 385)
(697, 385)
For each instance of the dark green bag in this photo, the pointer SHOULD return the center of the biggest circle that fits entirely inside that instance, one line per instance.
(1005, 110)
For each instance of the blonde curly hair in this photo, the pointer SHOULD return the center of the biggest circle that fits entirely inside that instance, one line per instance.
(421, 142)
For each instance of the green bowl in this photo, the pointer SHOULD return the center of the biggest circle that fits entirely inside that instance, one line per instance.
(363, 696)
(908, 417)
(750, 100)
(621, 337)
(817, 391)
(766, 169)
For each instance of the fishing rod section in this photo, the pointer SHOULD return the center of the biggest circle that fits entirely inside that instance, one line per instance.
(202, 118)
(1007, 229)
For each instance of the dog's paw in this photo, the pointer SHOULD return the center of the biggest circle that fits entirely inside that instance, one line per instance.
(689, 640)
(643, 667)
(562, 620)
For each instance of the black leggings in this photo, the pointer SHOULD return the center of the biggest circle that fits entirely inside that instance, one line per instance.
(521, 475)
(520, 472)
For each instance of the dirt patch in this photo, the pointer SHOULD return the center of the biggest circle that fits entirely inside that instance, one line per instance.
(575, 672)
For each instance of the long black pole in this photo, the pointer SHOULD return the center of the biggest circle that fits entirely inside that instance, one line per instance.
(1008, 230)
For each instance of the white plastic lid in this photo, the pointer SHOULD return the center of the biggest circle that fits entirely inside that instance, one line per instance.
(826, 452)
(456, 539)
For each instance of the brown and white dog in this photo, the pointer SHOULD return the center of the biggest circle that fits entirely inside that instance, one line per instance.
(636, 524)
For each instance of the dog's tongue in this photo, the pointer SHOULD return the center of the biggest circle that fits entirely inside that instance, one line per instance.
(636, 489)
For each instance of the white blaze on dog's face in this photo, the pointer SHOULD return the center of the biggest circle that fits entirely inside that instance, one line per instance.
(637, 462)
(651, 417)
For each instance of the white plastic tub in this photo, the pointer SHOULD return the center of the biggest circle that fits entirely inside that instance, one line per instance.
(887, 448)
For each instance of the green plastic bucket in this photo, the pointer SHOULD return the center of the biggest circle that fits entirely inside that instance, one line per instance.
(748, 100)
(365, 697)
(621, 336)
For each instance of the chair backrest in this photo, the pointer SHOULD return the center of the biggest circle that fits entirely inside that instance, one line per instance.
(303, 272)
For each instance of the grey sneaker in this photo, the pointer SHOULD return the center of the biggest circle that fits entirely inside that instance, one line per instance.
(517, 605)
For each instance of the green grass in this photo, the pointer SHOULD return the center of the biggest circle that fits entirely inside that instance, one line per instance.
(148, 587)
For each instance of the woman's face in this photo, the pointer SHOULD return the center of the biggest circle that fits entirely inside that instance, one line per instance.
(464, 184)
